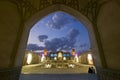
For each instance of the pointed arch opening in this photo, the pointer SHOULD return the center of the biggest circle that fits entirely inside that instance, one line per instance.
(41, 14)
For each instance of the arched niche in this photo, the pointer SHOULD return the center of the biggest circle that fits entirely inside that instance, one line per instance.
(39, 15)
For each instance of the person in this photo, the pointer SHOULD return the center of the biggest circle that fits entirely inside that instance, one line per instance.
(91, 70)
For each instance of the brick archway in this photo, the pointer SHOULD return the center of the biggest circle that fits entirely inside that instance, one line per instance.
(39, 15)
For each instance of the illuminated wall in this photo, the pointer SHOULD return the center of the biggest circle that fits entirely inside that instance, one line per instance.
(31, 58)
(86, 58)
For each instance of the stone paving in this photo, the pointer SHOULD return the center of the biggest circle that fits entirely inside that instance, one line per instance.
(34, 72)
(33, 69)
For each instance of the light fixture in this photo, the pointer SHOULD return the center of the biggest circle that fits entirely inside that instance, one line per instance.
(29, 58)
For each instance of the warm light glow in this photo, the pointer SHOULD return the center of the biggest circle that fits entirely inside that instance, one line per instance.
(48, 65)
(29, 58)
(76, 58)
(89, 56)
(90, 60)
(73, 52)
(59, 55)
(55, 58)
(71, 65)
(45, 52)
(42, 58)
(64, 58)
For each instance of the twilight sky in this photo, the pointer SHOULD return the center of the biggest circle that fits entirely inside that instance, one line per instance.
(58, 31)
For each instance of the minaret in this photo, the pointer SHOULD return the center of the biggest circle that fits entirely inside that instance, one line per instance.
(45, 52)
(73, 52)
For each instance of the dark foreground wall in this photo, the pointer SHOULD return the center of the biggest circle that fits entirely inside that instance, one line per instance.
(107, 74)
(10, 73)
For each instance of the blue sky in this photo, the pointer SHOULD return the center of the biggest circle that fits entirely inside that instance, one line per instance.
(58, 31)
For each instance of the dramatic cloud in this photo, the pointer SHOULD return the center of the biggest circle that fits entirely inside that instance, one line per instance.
(34, 47)
(59, 20)
(55, 44)
(60, 44)
(73, 33)
(65, 39)
(42, 37)
(63, 43)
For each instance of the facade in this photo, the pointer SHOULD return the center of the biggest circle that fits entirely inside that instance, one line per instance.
(59, 55)
(86, 58)
(31, 58)
(101, 18)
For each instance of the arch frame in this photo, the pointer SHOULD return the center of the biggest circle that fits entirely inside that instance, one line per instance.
(41, 14)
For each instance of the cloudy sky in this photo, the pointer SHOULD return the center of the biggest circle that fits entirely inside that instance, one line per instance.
(58, 31)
